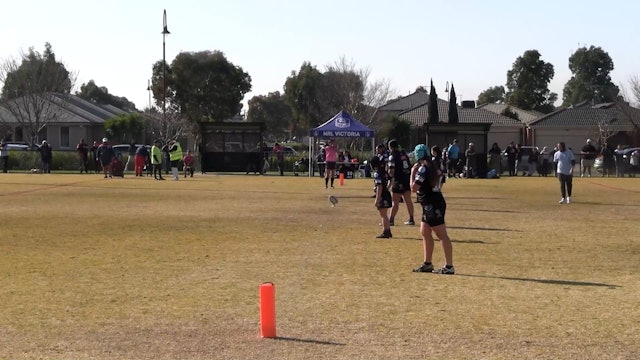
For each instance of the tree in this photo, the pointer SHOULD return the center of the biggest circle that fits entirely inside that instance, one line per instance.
(273, 111)
(492, 95)
(433, 117)
(591, 80)
(35, 89)
(125, 127)
(202, 86)
(100, 95)
(508, 112)
(453, 106)
(398, 129)
(301, 93)
(634, 82)
(528, 83)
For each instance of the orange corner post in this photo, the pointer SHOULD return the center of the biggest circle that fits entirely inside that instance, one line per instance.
(341, 179)
(268, 310)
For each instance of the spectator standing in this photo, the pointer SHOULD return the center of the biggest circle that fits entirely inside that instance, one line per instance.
(106, 155)
(278, 150)
(46, 157)
(383, 197)
(132, 154)
(331, 156)
(470, 157)
(618, 155)
(188, 162)
(565, 161)
(495, 158)
(140, 159)
(425, 180)
(399, 169)
(634, 163)
(453, 154)
(534, 160)
(83, 153)
(93, 150)
(545, 156)
(608, 161)
(156, 160)
(4, 154)
(438, 163)
(175, 156)
(512, 154)
(588, 153)
(519, 159)
(320, 160)
(166, 158)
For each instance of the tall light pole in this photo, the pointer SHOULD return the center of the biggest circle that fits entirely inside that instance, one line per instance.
(165, 32)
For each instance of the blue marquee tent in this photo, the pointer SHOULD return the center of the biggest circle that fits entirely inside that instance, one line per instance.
(340, 125)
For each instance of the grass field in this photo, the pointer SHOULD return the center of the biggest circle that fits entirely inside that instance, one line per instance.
(139, 269)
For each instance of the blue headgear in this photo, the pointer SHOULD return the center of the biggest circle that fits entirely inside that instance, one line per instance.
(420, 151)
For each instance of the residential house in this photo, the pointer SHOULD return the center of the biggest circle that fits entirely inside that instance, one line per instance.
(526, 117)
(615, 123)
(472, 122)
(75, 119)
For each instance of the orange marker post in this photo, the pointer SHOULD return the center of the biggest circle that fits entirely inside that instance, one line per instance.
(268, 310)
(341, 179)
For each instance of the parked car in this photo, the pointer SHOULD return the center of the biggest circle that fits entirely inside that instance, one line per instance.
(16, 145)
(288, 150)
(523, 165)
(626, 153)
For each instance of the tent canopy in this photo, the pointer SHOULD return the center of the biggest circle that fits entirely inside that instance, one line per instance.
(342, 125)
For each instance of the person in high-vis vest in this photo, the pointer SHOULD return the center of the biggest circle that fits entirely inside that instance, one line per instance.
(175, 150)
(156, 160)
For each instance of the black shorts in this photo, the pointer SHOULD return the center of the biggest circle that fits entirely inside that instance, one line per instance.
(385, 201)
(434, 209)
(451, 164)
(401, 187)
(331, 165)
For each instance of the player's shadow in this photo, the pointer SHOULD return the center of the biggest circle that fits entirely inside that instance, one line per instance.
(309, 341)
(544, 281)
(452, 240)
(488, 210)
(480, 228)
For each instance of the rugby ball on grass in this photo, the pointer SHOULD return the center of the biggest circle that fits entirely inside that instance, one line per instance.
(333, 199)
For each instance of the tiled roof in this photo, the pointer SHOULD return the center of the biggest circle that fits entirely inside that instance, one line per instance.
(587, 116)
(417, 116)
(410, 101)
(525, 116)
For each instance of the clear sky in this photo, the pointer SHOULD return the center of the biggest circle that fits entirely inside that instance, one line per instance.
(408, 42)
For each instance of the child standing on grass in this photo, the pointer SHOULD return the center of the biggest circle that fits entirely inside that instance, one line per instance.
(383, 196)
(425, 181)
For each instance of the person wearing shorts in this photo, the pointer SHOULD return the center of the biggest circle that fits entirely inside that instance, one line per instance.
(330, 156)
(383, 196)
(425, 181)
(453, 153)
(399, 169)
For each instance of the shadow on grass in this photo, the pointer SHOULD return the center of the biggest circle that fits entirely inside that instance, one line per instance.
(489, 210)
(544, 281)
(479, 228)
(605, 204)
(438, 240)
(310, 341)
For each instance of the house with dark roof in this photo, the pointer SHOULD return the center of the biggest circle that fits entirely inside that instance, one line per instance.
(472, 122)
(614, 123)
(74, 119)
(525, 116)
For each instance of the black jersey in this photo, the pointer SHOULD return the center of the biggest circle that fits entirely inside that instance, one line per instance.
(401, 167)
(429, 180)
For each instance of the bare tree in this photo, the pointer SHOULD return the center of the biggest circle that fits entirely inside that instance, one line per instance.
(171, 128)
(634, 82)
(34, 92)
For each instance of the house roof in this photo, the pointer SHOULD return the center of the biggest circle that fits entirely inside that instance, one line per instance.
(525, 116)
(587, 115)
(408, 102)
(70, 109)
(417, 116)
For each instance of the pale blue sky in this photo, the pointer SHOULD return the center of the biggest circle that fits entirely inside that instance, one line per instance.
(470, 43)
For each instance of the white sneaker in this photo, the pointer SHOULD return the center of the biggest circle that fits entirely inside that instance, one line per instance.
(569, 200)
(561, 201)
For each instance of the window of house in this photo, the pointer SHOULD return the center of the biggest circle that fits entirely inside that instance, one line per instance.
(64, 137)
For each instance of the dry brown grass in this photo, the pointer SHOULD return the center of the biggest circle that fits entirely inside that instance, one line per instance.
(173, 271)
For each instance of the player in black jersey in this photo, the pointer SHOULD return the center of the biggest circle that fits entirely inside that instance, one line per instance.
(425, 181)
(383, 196)
(399, 169)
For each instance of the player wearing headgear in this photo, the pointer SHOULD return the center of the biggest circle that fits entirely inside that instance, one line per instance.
(425, 181)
